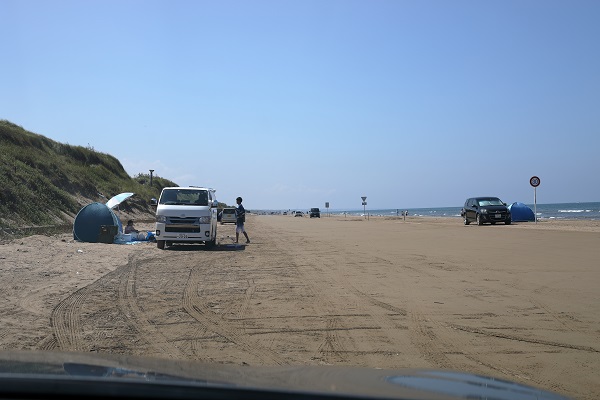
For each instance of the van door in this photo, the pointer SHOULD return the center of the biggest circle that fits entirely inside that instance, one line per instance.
(212, 200)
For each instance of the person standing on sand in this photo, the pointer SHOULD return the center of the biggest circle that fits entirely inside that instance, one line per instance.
(240, 218)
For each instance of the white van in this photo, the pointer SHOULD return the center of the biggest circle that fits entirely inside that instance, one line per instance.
(186, 215)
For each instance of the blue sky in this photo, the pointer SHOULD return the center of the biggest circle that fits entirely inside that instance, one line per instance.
(292, 104)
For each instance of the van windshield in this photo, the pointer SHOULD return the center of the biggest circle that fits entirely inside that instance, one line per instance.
(184, 197)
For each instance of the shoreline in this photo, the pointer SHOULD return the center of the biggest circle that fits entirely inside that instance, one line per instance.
(578, 225)
(546, 211)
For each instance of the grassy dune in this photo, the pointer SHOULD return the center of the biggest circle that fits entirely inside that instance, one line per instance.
(45, 183)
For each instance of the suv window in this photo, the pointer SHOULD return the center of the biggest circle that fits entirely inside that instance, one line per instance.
(490, 202)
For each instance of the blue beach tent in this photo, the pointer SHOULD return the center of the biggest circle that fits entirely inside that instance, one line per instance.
(90, 218)
(519, 212)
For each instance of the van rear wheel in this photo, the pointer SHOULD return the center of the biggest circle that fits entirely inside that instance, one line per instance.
(160, 244)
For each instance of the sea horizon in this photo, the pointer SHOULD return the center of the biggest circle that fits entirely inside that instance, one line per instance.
(574, 210)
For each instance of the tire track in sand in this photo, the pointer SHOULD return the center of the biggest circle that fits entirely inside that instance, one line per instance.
(500, 335)
(128, 302)
(65, 320)
(74, 331)
(328, 284)
(195, 306)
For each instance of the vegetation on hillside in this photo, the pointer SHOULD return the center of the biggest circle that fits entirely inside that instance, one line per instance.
(43, 182)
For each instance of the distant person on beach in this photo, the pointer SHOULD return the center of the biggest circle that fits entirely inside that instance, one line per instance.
(135, 234)
(240, 218)
(130, 228)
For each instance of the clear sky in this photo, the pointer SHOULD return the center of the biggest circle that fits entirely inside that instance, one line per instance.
(294, 103)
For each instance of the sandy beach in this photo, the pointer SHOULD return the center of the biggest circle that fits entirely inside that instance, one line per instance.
(519, 302)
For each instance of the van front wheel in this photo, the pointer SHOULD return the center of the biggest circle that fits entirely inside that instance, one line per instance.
(160, 244)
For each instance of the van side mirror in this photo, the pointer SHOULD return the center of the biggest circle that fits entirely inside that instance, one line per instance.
(153, 202)
(215, 204)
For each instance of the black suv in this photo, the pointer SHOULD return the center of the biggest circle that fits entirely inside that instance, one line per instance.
(315, 212)
(485, 209)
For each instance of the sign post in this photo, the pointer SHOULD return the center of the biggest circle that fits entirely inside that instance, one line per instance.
(535, 182)
(364, 203)
(327, 207)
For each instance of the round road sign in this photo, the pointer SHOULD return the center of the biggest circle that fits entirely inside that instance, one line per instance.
(534, 181)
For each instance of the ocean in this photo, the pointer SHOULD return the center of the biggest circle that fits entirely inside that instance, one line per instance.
(585, 211)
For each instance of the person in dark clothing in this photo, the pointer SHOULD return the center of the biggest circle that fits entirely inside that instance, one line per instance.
(240, 218)
(135, 234)
(129, 228)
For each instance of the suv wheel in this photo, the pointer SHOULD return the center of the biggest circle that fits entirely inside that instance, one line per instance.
(466, 220)
(479, 221)
(507, 222)
(160, 244)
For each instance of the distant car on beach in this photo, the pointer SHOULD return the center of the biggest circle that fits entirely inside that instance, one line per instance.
(228, 216)
(485, 209)
(298, 214)
(315, 212)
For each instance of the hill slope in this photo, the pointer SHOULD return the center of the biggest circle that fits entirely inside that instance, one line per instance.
(44, 182)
